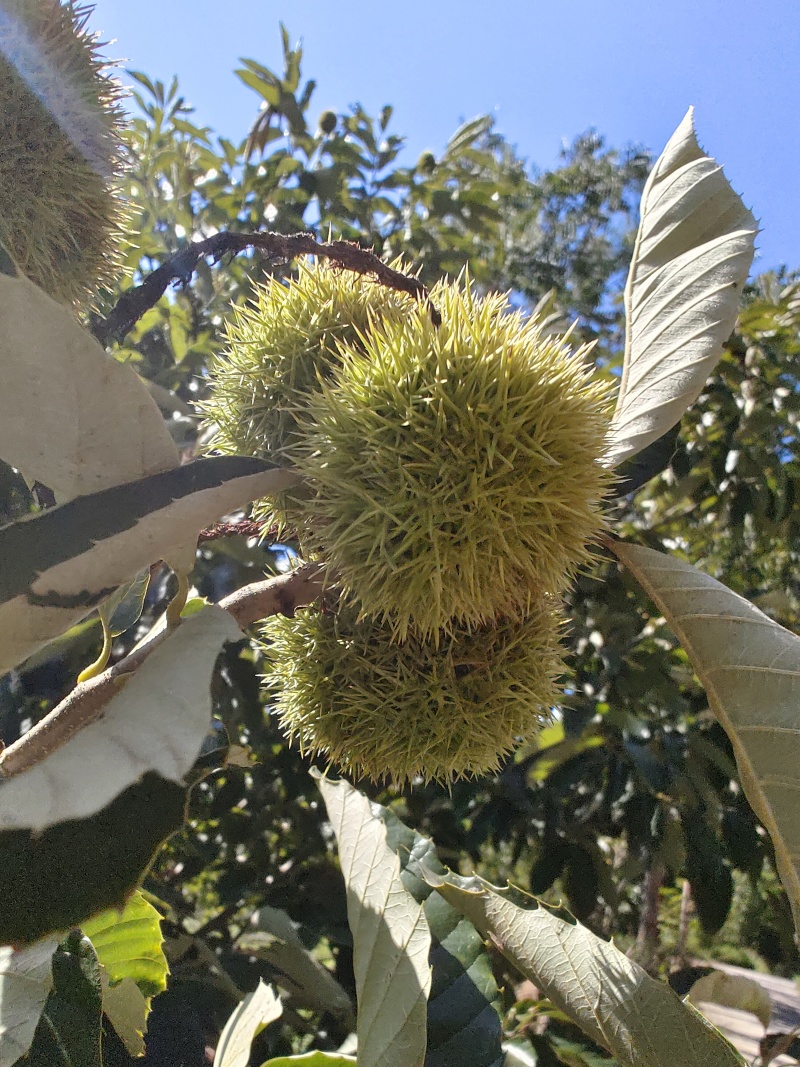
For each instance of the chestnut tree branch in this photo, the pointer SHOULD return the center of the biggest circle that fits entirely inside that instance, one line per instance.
(180, 266)
(87, 701)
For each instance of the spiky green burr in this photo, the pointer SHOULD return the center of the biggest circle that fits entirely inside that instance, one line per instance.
(280, 350)
(59, 152)
(345, 690)
(455, 470)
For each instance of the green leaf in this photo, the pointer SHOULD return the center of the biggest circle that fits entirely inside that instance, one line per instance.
(68, 1034)
(272, 937)
(733, 991)
(157, 722)
(266, 90)
(690, 262)
(466, 134)
(25, 981)
(616, 1003)
(128, 944)
(54, 880)
(391, 939)
(464, 1008)
(750, 667)
(257, 1010)
(63, 562)
(123, 608)
(709, 875)
(71, 416)
(126, 1008)
(312, 1059)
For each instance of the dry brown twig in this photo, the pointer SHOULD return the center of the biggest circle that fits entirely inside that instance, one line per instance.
(87, 701)
(180, 266)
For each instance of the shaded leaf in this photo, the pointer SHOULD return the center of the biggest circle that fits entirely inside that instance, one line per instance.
(614, 1001)
(25, 981)
(123, 608)
(157, 722)
(68, 1034)
(708, 874)
(57, 879)
(733, 991)
(391, 939)
(102, 426)
(63, 562)
(257, 1010)
(750, 667)
(690, 262)
(273, 937)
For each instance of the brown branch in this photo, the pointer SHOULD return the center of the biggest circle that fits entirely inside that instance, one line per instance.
(180, 266)
(241, 528)
(87, 701)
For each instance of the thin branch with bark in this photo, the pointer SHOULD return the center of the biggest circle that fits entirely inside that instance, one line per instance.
(87, 701)
(180, 266)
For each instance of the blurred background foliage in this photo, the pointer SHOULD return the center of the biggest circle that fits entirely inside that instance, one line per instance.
(627, 807)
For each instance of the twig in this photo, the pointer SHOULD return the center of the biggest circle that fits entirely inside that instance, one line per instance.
(180, 266)
(87, 701)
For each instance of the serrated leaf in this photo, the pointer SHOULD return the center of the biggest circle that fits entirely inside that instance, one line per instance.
(157, 722)
(71, 416)
(690, 262)
(59, 564)
(391, 939)
(57, 879)
(464, 1007)
(25, 981)
(614, 1001)
(272, 937)
(733, 991)
(257, 1010)
(750, 667)
(129, 943)
(68, 1034)
(126, 1008)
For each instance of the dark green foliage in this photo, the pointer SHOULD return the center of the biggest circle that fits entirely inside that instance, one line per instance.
(57, 878)
(68, 1033)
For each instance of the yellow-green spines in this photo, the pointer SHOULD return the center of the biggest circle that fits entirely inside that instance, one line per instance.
(59, 218)
(454, 469)
(344, 689)
(280, 350)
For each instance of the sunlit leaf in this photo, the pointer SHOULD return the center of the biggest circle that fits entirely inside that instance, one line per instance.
(391, 939)
(750, 667)
(313, 1059)
(59, 564)
(71, 416)
(156, 722)
(129, 943)
(692, 256)
(615, 1002)
(257, 1010)
(25, 982)
(733, 991)
(464, 1007)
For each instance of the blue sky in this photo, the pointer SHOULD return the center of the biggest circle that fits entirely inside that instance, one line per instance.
(546, 70)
